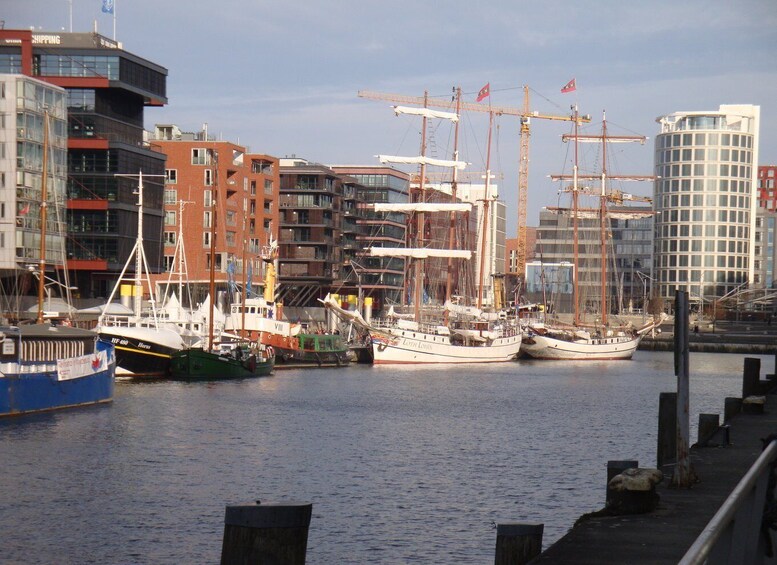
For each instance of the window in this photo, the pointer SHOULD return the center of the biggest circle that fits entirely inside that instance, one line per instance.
(169, 218)
(171, 196)
(208, 198)
(206, 239)
(169, 238)
(171, 176)
(200, 156)
(231, 238)
(208, 180)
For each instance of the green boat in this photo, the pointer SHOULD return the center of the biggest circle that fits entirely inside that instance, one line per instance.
(241, 362)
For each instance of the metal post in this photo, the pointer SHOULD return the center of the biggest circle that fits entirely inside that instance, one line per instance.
(682, 473)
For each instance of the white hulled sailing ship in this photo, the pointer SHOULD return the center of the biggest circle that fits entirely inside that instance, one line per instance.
(447, 334)
(600, 340)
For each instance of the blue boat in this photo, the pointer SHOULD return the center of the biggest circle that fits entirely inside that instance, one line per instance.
(45, 367)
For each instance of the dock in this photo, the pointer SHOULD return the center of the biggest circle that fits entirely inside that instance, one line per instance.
(665, 534)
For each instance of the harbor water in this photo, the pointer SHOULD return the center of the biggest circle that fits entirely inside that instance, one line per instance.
(402, 465)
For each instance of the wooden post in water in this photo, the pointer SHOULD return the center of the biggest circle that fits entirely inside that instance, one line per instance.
(751, 376)
(266, 534)
(517, 544)
(682, 476)
(667, 424)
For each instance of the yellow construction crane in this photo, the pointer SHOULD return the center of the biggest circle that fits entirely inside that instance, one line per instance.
(525, 116)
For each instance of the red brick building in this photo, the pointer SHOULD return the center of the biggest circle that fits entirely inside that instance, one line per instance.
(767, 192)
(206, 177)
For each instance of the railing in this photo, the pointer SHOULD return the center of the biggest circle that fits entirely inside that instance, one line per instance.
(734, 533)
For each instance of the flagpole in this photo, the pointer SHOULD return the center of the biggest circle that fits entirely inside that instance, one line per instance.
(114, 20)
(70, 12)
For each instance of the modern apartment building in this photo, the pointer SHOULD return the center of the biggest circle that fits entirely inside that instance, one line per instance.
(206, 180)
(705, 201)
(29, 107)
(381, 278)
(310, 231)
(107, 91)
(629, 254)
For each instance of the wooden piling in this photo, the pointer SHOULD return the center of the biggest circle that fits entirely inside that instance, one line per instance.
(731, 407)
(517, 544)
(266, 534)
(751, 376)
(667, 424)
(708, 427)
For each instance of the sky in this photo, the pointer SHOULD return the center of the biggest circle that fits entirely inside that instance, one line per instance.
(282, 77)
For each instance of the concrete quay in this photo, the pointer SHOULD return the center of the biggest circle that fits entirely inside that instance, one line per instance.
(757, 338)
(665, 534)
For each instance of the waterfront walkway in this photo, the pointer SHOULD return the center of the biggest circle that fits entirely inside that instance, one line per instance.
(664, 535)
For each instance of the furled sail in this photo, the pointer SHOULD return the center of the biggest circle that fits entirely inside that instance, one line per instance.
(423, 207)
(427, 113)
(422, 161)
(419, 253)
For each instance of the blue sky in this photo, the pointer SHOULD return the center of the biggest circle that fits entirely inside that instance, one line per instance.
(281, 77)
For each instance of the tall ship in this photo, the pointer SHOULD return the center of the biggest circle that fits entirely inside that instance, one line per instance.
(599, 339)
(449, 332)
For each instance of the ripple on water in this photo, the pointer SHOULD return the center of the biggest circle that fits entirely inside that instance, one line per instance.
(402, 465)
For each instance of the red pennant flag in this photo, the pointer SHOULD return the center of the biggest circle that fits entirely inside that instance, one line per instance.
(25, 210)
(569, 87)
(484, 92)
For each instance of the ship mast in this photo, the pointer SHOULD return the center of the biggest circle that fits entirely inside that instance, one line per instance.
(486, 200)
(454, 188)
(43, 218)
(212, 252)
(575, 251)
(603, 224)
(419, 273)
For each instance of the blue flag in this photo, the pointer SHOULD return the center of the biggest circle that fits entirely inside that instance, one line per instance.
(107, 6)
(248, 282)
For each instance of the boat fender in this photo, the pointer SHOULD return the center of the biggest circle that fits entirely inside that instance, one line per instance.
(382, 347)
(270, 351)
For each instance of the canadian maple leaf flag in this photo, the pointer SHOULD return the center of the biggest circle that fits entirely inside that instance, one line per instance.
(569, 87)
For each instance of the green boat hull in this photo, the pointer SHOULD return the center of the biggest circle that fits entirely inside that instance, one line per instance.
(198, 364)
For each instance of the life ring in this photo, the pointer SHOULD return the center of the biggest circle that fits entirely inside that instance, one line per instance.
(270, 351)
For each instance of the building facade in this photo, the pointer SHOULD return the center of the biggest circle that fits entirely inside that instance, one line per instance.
(310, 231)
(628, 283)
(33, 139)
(205, 181)
(705, 201)
(767, 191)
(107, 91)
(380, 278)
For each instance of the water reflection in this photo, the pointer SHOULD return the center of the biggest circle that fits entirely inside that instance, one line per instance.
(402, 464)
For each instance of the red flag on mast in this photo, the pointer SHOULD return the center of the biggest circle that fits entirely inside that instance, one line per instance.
(484, 92)
(569, 87)
(25, 210)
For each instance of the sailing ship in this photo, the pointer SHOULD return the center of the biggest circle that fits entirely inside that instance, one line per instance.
(598, 341)
(260, 319)
(441, 335)
(46, 367)
(144, 344)
(228, 359)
